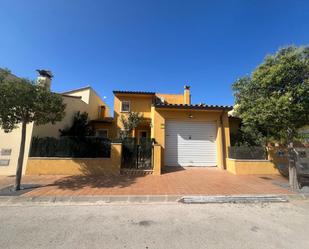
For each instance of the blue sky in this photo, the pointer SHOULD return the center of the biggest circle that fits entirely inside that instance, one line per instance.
(157, 45)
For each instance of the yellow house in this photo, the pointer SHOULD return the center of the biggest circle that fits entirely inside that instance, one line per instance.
(83, 99)
(189, 135)
(78, 100)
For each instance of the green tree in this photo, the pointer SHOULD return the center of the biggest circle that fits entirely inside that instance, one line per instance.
(129, 123)
(80, 126)
(273, 102)
(23, 102)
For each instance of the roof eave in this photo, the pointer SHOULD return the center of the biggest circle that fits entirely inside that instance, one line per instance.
(196, 107)
(77, 90)
(118, 92)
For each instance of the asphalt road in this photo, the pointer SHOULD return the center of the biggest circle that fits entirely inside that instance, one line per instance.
(284, 225)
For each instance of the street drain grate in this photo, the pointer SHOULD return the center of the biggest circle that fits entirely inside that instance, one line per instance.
(232, 199)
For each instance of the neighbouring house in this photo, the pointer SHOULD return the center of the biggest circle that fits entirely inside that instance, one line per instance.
(10, 145)
(79, 100)
(189, 134)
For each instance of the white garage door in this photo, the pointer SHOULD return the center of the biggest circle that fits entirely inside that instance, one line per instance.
(190, 143)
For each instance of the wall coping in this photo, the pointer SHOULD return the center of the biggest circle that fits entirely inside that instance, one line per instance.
(249, 160)
(68, 158)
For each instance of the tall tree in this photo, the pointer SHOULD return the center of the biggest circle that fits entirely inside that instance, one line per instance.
(23, 102)
(274, 101)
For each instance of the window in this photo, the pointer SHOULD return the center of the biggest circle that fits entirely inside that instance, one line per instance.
(125, 106)
(102, 133)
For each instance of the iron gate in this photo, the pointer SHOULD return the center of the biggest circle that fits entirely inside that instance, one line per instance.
(137, 155)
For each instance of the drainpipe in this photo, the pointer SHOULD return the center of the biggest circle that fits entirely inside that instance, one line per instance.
(223, 141)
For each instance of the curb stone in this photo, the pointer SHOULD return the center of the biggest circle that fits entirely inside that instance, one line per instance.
(234, 199)
(198, 199)
(5, 200)
(298, 197)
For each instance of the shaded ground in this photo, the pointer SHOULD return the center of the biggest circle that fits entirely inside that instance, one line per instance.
(156, 226)
(190, 181)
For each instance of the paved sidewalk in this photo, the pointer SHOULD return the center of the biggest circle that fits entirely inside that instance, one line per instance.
(189, 181)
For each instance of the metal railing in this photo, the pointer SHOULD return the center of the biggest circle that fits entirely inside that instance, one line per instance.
(246, 152)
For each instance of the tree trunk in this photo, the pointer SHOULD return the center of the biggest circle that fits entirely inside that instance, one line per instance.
(293, 179)
(19, 169)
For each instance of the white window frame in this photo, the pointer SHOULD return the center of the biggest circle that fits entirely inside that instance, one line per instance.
(125, 101)
(101, 130)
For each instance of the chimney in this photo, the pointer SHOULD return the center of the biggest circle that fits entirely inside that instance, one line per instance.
(187, 96)
(101, 112)
(44, 78)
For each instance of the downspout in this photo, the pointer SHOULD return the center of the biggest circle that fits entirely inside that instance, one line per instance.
(223, 141)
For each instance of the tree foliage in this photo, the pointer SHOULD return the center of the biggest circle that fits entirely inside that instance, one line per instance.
(129, 123)
(273, 102)
(80, 126)
(23, 101)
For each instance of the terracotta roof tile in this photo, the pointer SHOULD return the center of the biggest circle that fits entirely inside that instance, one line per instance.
(197, 107)
(133, 92)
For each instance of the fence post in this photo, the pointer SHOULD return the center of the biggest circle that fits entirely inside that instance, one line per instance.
(116, 154)
(157, 159)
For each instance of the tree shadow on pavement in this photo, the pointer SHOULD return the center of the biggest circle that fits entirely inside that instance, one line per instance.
(81, 181)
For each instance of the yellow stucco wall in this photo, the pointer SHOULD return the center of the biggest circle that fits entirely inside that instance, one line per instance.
(77, 166)
(110, 127)
(73, 105)
(142, 103)
(85, 100)
(84, 93)
(90, 97)
(172, 98)
(95, 102)
(161, 115)
(157, 154)
(12, 141)
(138, 103)
(251, 167)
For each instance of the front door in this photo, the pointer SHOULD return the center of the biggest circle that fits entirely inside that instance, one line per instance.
(143, 135)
